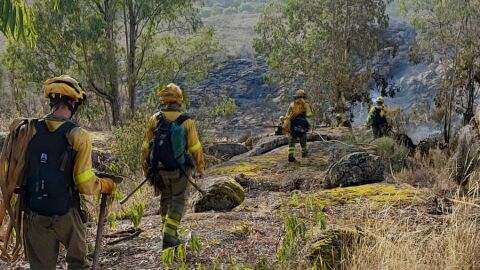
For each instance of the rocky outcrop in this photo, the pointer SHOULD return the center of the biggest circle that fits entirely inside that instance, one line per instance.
(225, 151)
(355, 169)
(269, 143)
(329, 248)
(221, 194)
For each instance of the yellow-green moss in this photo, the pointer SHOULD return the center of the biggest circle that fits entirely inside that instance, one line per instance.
(271, 157)
(378, 193)
(247, 168)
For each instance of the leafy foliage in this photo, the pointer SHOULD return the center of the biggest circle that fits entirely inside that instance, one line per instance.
(16, 21)
(327, 45)
(83, 38)
(447, 30)
(127, 143)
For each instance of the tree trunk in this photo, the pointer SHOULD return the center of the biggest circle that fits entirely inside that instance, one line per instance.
(467, 116)
(112, 61)
(132, 47)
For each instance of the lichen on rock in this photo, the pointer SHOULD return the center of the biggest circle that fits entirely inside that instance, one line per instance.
(355, 169)
(221, 194)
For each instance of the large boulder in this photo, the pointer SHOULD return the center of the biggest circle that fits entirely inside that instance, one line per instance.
(225, 151)
(221, 194)
(329, 248)
(355, 169)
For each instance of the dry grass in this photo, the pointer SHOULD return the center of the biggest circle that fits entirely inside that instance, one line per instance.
(417, 239)
(428, 172)
(452, 243)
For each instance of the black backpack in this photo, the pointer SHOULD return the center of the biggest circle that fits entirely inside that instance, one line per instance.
(49, 173)
(377, 119)
(299, 126)
(169, 145)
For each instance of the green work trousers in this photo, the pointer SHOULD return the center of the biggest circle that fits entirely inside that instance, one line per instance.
(44, 234)
(293, 140)
(172, 186)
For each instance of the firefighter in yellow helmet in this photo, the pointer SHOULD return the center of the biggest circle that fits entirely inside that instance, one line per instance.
(296, 124)
(377, 118)
(57, 169)
(171, 151)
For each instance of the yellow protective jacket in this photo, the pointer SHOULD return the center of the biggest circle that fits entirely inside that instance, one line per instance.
(194, 147)
(383, 114)
(12, 161)
(298, 107)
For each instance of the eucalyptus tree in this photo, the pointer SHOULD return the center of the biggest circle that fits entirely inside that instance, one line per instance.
(328, 45)
(95, 41)
(16, 20)
(448, 31)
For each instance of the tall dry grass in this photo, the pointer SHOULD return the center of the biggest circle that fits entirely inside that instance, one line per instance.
(419, 240)
(450, 243)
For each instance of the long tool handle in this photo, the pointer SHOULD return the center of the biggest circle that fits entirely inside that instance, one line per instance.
(192, 181)
(125, 199)
(101, 224)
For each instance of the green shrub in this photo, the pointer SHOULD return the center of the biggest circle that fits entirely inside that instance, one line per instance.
(394, 154)
(127, 143)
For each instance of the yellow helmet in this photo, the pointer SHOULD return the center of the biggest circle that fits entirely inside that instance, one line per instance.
(171, 94)
(64, 85)
(300, 94)
(380, 100)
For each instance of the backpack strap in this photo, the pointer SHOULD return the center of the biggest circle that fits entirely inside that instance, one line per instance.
(182, 118)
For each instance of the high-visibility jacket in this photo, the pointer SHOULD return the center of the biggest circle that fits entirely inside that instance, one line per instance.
(298, 107)
(12, 162)
(194, 147)
(382, 110)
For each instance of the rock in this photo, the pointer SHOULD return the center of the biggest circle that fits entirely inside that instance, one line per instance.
(330, 248)
(225, 151)
(222, 194)
(355, 169)
(269, 143)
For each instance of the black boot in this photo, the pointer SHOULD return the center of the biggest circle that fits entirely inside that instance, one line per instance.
(170, 241)
(291, 158)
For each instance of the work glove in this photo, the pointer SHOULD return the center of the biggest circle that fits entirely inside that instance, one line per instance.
(115, 178)
(108, 181)
(107, 186)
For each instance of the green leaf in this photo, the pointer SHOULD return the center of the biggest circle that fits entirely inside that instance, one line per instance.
(5, 15)
(12, 17)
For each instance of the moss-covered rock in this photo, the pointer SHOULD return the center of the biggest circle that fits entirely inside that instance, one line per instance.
(355, 169)
(329, 248)
(221, 194)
